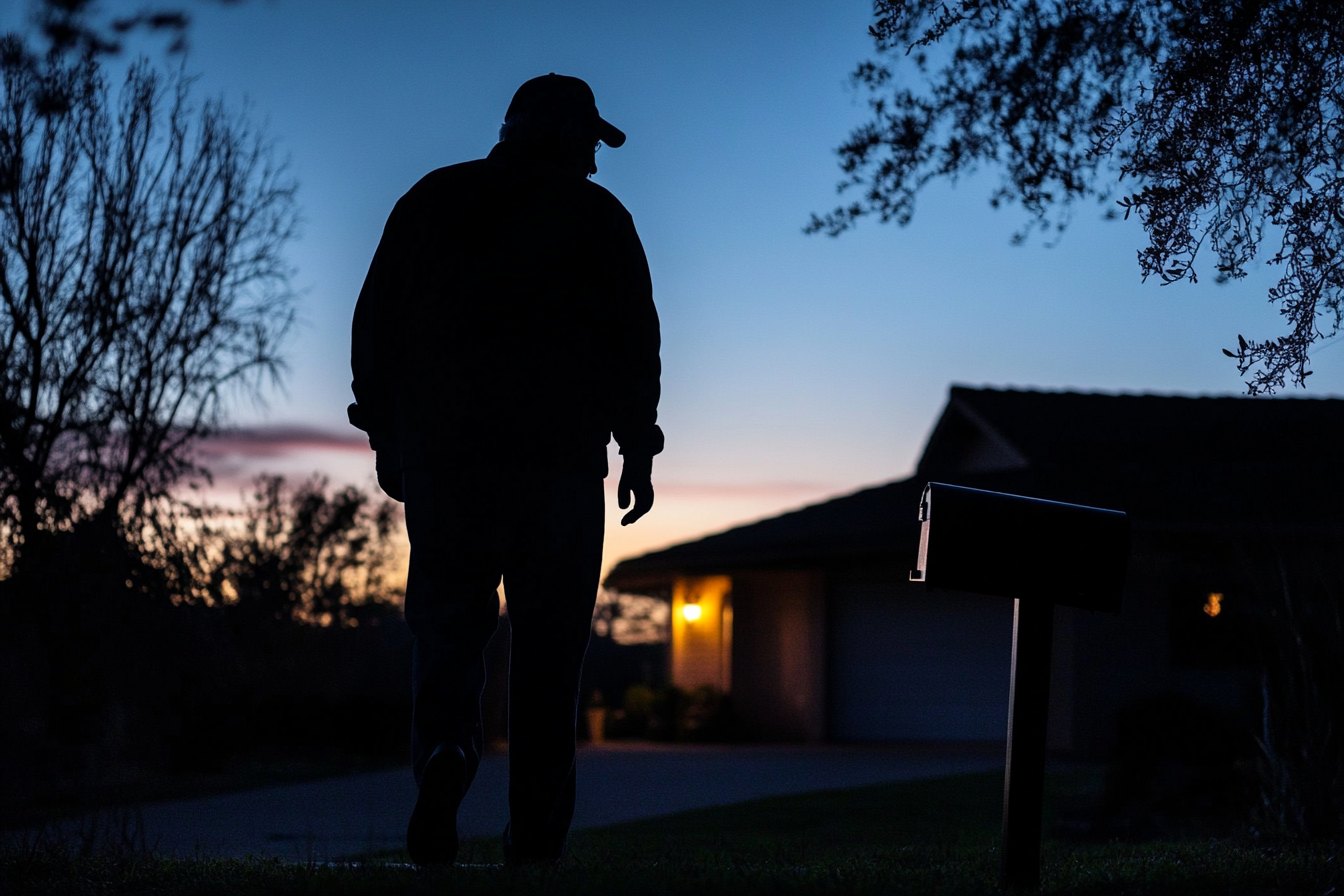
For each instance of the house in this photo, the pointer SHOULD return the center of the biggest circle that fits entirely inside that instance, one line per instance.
(809, 621)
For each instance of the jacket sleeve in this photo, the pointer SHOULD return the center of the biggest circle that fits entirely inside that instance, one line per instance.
(634, 384)
(375, 343)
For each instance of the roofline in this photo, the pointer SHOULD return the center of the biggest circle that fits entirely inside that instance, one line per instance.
(1192, 396)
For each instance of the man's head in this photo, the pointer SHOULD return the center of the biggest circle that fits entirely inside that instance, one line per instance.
(559, 113)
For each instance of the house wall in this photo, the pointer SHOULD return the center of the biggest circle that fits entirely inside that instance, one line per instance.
(779, 655)
(1059, 730)
(1119, 658)
(702, 647)
(860, 654)
(906, 663)
(1126, 659)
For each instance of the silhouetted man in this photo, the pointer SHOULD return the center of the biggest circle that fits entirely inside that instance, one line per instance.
(505, 332)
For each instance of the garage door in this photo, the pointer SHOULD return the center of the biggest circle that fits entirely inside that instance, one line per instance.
(909, 665)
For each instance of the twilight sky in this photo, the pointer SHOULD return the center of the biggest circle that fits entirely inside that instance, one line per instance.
(795, 367)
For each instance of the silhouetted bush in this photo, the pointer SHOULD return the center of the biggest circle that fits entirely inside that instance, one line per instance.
(1179, 764)
(1301, 731)
(633, 716)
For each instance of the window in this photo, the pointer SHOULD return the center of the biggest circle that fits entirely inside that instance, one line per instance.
(1210, 627)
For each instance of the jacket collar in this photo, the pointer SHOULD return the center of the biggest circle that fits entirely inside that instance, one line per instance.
(529, 157)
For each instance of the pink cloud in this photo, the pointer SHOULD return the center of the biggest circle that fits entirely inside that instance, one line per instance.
(278, 440)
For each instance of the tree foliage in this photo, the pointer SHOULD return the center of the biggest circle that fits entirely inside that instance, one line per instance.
(304, 555)
(84, 28)
(143, 281)
(1227, 118)
(75, 26)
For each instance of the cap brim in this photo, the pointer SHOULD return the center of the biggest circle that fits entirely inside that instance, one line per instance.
(609, 134)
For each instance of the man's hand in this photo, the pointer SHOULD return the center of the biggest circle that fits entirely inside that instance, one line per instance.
(636, 477)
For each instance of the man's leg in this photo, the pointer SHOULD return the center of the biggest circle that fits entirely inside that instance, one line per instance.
(551, 576)
(452, 609)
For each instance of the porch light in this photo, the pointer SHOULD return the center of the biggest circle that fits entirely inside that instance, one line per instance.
(1213, 604)
(690, 612)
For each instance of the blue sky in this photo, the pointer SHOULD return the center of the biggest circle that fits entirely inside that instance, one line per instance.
(795, 367)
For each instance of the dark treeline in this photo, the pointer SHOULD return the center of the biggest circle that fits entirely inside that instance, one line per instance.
(272, 634)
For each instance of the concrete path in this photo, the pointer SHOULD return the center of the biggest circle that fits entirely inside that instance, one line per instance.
(323, 820)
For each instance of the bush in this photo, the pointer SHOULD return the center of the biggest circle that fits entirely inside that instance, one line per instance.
(1179, 764)
(1301, 736)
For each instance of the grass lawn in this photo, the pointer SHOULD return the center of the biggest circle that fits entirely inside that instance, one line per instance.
(935, 836)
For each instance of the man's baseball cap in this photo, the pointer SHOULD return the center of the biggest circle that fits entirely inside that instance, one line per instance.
(568, 96)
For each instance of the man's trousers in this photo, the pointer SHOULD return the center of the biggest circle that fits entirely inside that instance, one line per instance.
(540, 531)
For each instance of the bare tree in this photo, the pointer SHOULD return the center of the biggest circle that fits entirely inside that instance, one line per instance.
(142, 281)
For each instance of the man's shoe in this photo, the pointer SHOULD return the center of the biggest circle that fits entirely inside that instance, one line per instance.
(431, 837)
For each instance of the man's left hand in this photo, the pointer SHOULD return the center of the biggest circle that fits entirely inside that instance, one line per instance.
(637, 479)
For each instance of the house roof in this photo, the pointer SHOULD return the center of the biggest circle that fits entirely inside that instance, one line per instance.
(1162, 459)
(876, 522)
(1055, 427)
(1170, 462)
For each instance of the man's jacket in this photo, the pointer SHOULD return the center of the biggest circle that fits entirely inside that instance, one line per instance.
(508, 315)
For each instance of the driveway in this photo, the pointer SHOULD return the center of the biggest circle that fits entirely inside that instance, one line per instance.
(322, 820)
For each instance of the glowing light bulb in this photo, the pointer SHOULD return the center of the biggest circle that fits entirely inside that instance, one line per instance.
(690, 612)
(1213, 605)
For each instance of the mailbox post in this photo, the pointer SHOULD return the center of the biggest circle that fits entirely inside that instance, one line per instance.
(1041, 554)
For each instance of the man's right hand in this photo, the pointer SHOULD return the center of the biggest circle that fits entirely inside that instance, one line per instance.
(636, 478)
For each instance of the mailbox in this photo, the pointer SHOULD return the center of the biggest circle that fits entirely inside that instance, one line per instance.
(1041, 553)
(995, 543)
